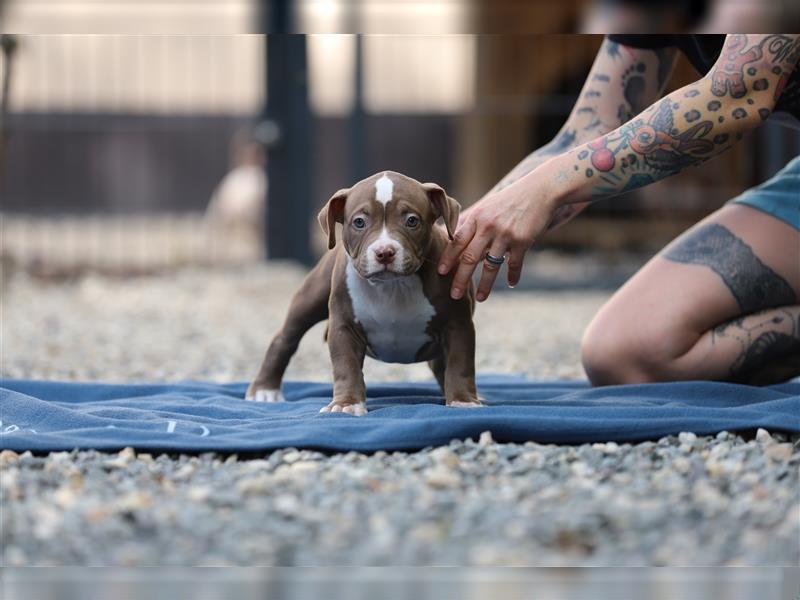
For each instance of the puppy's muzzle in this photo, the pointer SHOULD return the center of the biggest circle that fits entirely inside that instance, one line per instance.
(385, 254)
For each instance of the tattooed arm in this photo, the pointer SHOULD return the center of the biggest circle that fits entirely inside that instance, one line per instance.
(622, 82)
(686, 128)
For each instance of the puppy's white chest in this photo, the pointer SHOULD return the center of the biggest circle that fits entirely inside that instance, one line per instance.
(394, 315)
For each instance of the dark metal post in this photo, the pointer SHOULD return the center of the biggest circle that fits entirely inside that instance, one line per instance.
(8, 45)
(357, 156)
(289, 166)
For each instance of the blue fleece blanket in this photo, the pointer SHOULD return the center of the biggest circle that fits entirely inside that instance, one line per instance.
(195, 417)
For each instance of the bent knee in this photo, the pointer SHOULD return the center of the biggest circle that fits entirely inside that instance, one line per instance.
(613, 355)
(606, 361)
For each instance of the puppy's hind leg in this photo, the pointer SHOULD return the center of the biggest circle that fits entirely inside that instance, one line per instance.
(309, 306)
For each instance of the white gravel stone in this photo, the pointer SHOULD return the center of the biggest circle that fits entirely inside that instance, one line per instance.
(763, 436)
(8, 457)
(442, 477)
(485, 438)
(445, 456)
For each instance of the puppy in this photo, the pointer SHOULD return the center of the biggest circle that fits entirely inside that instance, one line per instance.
(381, 294)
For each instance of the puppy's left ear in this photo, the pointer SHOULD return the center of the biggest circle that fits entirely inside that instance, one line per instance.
(443, 206)
(332, 213)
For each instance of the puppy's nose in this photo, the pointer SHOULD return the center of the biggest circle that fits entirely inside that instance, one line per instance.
(385, 254)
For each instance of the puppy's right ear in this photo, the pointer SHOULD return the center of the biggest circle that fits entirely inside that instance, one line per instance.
(332, 213)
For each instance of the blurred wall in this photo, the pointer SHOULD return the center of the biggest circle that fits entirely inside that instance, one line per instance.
(124, 123)
(171, 74)
(131, 17)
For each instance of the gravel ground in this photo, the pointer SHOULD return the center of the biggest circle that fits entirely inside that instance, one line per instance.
(216, 325)
(679, 501)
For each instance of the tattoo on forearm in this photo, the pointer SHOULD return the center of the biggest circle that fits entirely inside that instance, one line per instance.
(760, 85)
(728, 74)
(782, 48)
(564, 213)
(633, 90)
(634, 85)
(643, 151)
(686, 128)
(587, 119)
(563, 142)
(692, 115)
(738, 59)
(769, 345)
(594, 120)
(753, 284)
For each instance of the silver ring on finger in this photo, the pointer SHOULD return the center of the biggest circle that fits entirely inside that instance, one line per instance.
(495, 260)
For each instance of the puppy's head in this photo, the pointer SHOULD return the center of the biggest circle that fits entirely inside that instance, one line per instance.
(387, 221)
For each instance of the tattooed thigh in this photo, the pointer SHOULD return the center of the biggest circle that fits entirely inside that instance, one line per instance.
(754, 285)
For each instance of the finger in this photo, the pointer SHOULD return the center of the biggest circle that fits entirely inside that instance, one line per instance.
(516, 257)
(468, 261)
(490, 270)
(461, 238)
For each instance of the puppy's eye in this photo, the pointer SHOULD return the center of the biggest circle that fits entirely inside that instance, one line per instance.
(359, 222)
(412, 221)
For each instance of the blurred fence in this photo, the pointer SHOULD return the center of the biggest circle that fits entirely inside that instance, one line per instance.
(117, 143)
(121, 244)
(84, 163)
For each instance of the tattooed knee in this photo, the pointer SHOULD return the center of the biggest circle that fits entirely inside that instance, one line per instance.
(765, 341)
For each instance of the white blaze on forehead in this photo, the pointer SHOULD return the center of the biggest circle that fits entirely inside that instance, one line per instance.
(383, 189)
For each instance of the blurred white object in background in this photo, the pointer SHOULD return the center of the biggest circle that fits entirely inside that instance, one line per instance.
(235, 217)
(239, 197)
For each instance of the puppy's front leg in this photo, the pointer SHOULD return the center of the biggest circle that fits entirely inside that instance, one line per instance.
(459, 375)
(347, 349)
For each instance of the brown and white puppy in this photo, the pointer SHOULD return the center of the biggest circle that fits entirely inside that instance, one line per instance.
(381, 294)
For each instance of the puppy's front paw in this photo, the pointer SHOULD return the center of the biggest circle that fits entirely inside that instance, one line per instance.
(465, 402)
(264, 395)
(351, 408)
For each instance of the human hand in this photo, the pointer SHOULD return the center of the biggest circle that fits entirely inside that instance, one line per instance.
(506, 222)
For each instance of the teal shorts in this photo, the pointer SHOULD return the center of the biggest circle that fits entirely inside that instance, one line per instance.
(778, 196)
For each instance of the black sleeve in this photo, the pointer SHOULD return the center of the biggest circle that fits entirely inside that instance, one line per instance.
(701, 50)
